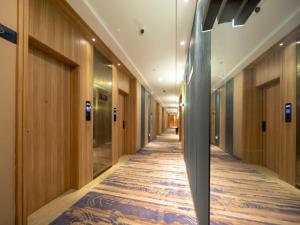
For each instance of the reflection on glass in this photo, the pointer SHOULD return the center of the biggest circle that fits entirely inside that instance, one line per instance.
(102, 110)
(298, 112)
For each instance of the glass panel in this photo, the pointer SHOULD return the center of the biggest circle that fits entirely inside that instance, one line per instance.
(298, 113)
(102, 111)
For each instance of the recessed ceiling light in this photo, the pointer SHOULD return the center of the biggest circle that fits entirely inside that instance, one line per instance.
(93, 39)
(182, 43)
(119, 64)
(298, 42)
(281, 44)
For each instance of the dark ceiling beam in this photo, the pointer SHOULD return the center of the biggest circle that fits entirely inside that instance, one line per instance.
(212, 10)
(228, 10)
(245, 12)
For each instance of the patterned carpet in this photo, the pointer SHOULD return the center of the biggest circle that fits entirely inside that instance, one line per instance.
(151, 188)
(245, 194)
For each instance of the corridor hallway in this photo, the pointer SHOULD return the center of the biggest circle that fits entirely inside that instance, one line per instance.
(150, 188)
(248, 194)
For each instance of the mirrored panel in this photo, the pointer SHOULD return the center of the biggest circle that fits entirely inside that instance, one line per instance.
(102, 111)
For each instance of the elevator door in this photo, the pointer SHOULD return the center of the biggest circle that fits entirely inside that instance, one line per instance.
(121, 124)
(271, 126)
(102, 114)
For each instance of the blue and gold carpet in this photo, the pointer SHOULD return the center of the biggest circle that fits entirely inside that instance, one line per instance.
(246, 194)
(150, 188)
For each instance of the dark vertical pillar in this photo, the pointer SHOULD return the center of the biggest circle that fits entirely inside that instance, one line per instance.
(229, 117)
(298, 116)
(142, 117)
(197, 116)
(217, 117)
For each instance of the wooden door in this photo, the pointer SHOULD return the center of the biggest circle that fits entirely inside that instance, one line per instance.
(271, 133)
(121, 123)
(47, 129)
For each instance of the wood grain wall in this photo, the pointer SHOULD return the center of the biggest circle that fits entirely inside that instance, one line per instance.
(222, 134)
(269, 68)
(153, 119)
(123, 81)
(146, 117)
(63, 37)
(280, 64)
(115, 106)
(158, 119)
(132, 118)
(54, 29)
(252, 140)
(238, 115)
(48, 129)
(212, 117)
(165, 119)
(287, 166)
(8, 90)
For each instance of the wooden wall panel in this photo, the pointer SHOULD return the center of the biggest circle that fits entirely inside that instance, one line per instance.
(7, 128)
(229, 117)
(269, 68)
(48, 129)
(146, 117)
(271, 114)
(115, 127)
(298, 116)
(212, 117)
(222, 137)
(120, 119)
(252, 108)
(8, 90)
(138, 116)
(123, 81)
(143, 124)
(153, 118)
(166, 120)
(132, 115)
(238, 115)
(279, 64)
(163, 119)
(157, 114)
(49, 25)
(217, 117)
(287, 167)
(158, 119)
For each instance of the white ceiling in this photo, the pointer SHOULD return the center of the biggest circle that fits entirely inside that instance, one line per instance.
(151, 57)
(235, 48)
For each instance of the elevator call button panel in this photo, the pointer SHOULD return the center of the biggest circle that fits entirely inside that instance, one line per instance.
(288, 112)
(88, 109)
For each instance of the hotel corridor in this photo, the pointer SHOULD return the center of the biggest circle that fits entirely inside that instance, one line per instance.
(150, 188)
